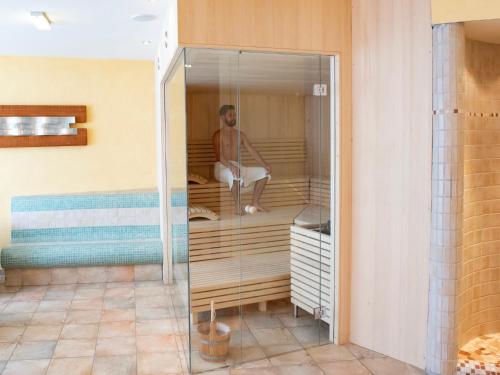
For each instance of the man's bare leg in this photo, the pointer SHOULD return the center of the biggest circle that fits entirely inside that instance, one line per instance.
(257, 193)
(235, 192)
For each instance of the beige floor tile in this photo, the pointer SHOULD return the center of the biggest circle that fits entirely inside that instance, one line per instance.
(360, 352)
(26, 367)
(149, 291)
(115, 315)
(305, 369)
(309, 336)
(54, 305)
(75, 348)
(198, 364)
(255, 364)
(289, 320)
(156, 327)
(223, 371)
(116, 346)
(71, 366)
(299, 357)
(119, 292)
(152, 301)
(274, 336)
(84, 317)
(158, 363)
(34, 350)
(242, 339)
(149, 313)
(21, 307)
(6, 349)
(42, 332)
(79, 331)
(87, 304)
(15, 319)
(46, 318)
(344, 368)
(251, 371)
(29, 295)
(389, 366)
(88, 293)
(117, 329)
(330, 353)
(63, 287)
(59, 294)
(238, 355)
(119, 303)
(115, 365)
(11, 334)
(156, 343)
(262, 320)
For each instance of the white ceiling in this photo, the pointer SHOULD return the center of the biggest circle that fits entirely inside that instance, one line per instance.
(484, 31)
(82, 28)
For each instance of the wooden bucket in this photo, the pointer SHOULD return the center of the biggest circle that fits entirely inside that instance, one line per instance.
(214, 341)
(214, 338)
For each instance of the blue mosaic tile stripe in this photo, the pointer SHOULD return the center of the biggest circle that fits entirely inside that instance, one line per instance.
(77, 234)
(85, 201)
(82, 255)
(180, 247)
(179, 198)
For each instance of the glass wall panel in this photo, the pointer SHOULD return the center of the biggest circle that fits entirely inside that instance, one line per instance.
(214, 228)
(258, 139)
(176, 199)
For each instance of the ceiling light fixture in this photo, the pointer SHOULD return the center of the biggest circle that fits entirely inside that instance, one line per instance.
(40, 20)
(144, 17)
(146, 42)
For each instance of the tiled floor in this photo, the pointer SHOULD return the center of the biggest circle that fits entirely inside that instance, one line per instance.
(481, 354)
(130, 329)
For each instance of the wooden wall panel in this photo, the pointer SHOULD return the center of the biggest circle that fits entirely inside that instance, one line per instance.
(263, 116)
(313, 25)
(392, 141)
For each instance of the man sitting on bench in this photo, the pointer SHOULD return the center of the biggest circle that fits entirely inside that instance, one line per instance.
(227, 141)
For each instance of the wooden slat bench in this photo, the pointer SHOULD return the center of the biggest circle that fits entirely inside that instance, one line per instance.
(241, 260)
(282, 192)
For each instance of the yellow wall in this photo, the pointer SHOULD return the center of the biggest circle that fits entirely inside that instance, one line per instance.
(444, 11)
(119, 96)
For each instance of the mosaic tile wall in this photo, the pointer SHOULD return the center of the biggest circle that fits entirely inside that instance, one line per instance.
(84, 230)
(447, 196)
(478, 293)
(179, 225)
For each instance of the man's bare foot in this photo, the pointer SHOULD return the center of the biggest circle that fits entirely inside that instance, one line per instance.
(260, 208)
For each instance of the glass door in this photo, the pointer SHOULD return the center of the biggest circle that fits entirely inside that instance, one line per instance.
(283, 121)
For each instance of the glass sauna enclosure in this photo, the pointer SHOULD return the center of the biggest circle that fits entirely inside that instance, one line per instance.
(269, 273)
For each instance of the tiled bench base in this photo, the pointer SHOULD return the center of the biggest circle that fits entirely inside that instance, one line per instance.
(82, 275)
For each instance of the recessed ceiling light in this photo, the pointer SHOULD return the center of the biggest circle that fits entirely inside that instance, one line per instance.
(146, 42)
(40, 20)
(188, 66)
(144, 17)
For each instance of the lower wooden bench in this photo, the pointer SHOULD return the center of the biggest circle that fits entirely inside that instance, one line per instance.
(239, 281)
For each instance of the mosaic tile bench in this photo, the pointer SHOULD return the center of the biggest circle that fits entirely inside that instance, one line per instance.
(82, 238)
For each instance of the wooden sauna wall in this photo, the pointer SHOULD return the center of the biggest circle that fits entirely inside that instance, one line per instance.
(264, 116)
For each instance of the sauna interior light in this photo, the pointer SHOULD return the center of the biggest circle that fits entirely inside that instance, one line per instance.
(40, 20)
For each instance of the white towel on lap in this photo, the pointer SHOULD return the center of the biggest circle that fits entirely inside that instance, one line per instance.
(248, 175)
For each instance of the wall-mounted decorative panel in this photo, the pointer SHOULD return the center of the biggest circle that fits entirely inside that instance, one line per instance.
(41, 126)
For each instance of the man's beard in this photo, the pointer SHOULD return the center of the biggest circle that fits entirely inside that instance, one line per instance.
(230, 123)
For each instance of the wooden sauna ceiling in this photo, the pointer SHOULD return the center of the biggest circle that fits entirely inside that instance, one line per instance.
(487, 31)
(255, 71)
